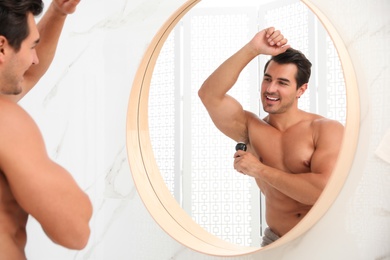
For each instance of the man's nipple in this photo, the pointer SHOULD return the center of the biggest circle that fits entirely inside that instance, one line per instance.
(307, 163)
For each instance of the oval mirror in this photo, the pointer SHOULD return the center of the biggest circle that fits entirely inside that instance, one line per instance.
(182, 166)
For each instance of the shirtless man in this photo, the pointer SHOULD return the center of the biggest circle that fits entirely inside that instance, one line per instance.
(291, 153)
(30, 182)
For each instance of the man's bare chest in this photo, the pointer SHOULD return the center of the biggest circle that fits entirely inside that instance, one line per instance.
(290, 151)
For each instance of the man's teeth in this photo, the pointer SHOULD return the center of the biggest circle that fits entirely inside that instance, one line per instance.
(273, 99)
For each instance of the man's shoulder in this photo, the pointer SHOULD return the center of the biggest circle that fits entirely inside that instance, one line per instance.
(323, 126)
(317, 120)
(321, 121)
(13, 115)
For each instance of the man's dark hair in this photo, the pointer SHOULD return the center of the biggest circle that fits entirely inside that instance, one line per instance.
(299, 59)
(13, 19)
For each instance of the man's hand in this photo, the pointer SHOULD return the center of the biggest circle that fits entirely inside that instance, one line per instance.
(65, 7)
(247, 164)
(269, 42)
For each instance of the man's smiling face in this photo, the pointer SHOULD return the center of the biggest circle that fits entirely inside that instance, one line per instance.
(279, 88)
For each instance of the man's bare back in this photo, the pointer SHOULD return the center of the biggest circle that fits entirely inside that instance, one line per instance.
(13, 221)
(30, 182)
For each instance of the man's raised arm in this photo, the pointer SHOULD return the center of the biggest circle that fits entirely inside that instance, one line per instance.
(227, 114)
(50, 27)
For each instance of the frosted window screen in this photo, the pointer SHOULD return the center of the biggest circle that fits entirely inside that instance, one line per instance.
(335, 88)
(195, 159)
(221, 198)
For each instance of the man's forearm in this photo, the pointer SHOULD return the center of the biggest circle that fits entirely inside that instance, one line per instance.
(226, 75)
(302, 187)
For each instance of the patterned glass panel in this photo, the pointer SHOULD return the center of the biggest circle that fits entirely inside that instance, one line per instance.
(221, 198)
(336, 91)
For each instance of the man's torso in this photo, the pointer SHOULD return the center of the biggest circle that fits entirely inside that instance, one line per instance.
(291, 152)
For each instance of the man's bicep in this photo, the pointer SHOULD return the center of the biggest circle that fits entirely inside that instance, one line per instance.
(27, 169)
(41, 187)
(229, 117)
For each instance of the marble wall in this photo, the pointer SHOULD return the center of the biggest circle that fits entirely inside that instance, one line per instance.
(81, 103)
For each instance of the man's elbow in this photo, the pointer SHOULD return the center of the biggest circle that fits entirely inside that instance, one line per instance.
(204, 93)
(201, 93)
(81, 239)
(82, 230)
(75, 238)
(76, 231)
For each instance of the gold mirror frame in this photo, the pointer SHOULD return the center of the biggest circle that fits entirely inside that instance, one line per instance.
(151, 186)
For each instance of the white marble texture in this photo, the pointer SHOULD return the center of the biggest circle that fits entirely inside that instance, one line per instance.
(81, 103)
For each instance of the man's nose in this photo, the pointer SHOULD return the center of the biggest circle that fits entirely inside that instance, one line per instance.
(35, 58)
(271, 87)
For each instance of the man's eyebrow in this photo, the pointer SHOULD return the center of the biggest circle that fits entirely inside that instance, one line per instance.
(284, 79)
(281, 79)
(37, 41)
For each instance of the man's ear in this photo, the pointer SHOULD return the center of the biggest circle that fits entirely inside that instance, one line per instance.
(301, 90)
(3, 45)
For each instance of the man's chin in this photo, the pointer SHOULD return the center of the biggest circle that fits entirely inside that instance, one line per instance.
(11, 93)
(269, 110)
(15, 93)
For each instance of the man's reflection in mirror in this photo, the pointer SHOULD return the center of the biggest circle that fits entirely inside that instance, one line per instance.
(291, 153)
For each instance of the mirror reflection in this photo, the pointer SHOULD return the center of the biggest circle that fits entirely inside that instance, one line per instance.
(194, 157)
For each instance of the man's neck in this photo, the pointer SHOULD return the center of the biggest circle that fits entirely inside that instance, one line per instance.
(285, 120)
(12, 98)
